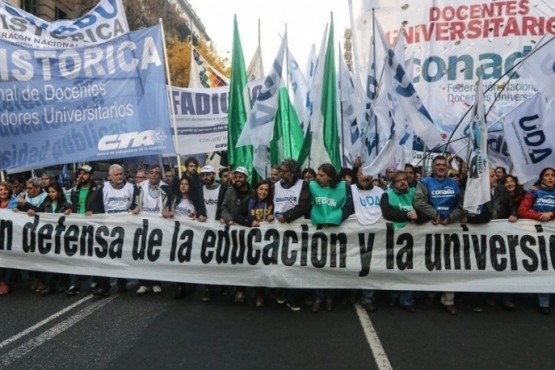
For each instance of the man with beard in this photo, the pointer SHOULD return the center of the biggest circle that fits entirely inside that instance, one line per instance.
(291, 201)
(236, 197)
(81, 197)
(366, 202)
(440, 199)
(115, 196)
(213, 192)
(396, 206)
(225, 176)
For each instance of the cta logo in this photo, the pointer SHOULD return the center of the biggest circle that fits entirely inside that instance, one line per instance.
(130, 140)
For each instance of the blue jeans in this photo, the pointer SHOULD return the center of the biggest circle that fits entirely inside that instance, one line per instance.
(543, 299)
(367, 296)
(406, 298)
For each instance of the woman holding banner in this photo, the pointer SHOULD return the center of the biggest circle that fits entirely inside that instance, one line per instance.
(258, 209)
(331, 204)
(539, 204)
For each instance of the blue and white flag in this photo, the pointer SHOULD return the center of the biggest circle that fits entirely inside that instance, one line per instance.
(539, 67)
(529, 131)
(299, 87)
(417, 115)
(478, 181)
(259, 128)
(88, 104)
(104, 22)
(350, 138)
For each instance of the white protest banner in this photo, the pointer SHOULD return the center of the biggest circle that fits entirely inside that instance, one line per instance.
(104, 22)
(494, 257)
(201, 117)
(449, 41)
(531, 150)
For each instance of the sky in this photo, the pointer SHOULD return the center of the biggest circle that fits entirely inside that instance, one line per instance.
(305, 19)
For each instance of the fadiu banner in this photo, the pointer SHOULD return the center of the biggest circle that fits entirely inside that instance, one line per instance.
(494, 257)
(90, 103)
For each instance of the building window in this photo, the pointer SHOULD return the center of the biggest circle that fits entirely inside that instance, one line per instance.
(31, 6)
(60, 14)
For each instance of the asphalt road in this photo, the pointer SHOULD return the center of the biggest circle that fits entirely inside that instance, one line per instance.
(125, 331)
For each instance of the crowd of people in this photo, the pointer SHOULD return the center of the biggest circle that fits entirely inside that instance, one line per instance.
(325, 196)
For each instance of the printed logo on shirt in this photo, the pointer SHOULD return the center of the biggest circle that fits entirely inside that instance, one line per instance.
(325, 201)
(445, 192)
(369, 201)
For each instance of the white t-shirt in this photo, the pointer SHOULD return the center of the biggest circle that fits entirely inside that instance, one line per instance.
(117, 200)
(184, 208)
(211, 201)
(367, 204)
(152, 199)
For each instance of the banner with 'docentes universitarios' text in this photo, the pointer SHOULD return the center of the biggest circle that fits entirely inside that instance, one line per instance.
(84, 104)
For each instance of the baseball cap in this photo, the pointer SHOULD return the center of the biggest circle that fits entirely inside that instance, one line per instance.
(85, 168)
(207, 169)
(242, 170)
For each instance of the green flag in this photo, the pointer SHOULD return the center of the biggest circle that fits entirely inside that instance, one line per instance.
(239, 105)
(288, 133)
(329, 104)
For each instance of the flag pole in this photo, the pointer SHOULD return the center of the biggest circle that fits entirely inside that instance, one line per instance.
(287, 82)
(342, 154)
(171, 105)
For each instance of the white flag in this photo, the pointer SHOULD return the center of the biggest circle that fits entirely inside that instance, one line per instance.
(478, 182)
(350, 138)
(259, 128)
(299, 86)
(539, 66)
(526, 131)
(417, 115)
(255, 71)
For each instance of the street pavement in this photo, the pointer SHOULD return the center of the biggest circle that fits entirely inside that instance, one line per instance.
(126, 331)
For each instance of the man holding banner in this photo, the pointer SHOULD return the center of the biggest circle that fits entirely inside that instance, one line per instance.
(439, 198)
(115, 196)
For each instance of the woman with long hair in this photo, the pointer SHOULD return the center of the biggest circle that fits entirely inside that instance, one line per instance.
(258, 209)
(331, 204)
(506, 198)
(539, 204)
(7, 201)
(55, 202)
(186, 204)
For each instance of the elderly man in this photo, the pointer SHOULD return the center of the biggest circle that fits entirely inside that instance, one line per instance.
(439, 198)
(115, 196)
(32, 197)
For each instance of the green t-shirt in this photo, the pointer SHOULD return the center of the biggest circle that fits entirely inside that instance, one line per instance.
(83, 193)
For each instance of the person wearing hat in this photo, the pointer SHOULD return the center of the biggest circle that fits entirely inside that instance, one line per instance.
(235, 195)
(235, 198)
(81, 196)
